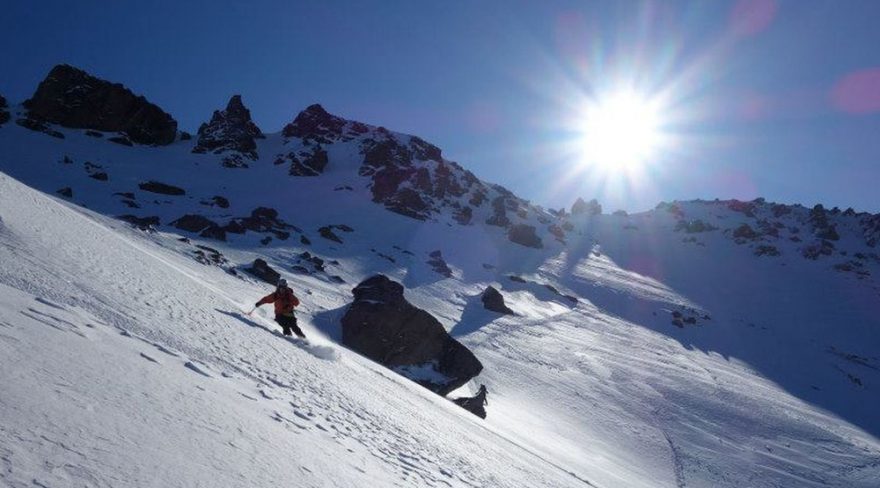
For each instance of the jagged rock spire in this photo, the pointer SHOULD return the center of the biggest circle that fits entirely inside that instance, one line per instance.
(230, 130)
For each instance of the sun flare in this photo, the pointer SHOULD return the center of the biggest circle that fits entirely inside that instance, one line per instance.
(620, 132)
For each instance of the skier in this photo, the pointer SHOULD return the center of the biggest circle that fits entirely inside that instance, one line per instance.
(285, 301)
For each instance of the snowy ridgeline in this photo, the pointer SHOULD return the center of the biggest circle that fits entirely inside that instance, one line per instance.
(699, 344)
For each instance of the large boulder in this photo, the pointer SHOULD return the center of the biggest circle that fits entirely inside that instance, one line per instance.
(230, 130)
(493, 300)
(383, 326)
(73, 98)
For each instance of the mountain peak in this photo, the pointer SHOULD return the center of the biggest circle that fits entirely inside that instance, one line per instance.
(70, 97)
(231, 130)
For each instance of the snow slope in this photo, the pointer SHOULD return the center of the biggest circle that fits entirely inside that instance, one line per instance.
(127, 362)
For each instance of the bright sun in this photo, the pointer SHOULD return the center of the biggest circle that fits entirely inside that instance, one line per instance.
(620, 132)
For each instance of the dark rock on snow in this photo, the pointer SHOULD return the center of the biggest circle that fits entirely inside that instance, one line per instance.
(72, 98)
(524, 235)
(386, 328)
(142, 223)
(4, 114)
(263, 271)
(230, 130)
(309, 163)
(161, 188)
(39, 126)
(475, 404)
(193, 223)
(494, 301)
(438, 264)
(65, 192)
(327, 233)
(123, 140)
(315, 124)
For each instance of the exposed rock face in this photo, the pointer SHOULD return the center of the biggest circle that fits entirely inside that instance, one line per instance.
(230, 130)
(494, 301)
(263, 271)
(383, 326)
(72, 98)
(475, 404)
(4, 114)
(524, 235)
(407, 174)
(308, 163)
(314, 124)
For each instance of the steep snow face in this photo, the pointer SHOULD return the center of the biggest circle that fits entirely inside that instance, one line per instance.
(670, 348)
(125, 363)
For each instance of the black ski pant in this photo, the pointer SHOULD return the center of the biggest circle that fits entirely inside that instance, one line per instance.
(288, 323)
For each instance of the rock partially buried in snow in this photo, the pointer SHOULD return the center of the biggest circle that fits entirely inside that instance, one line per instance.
(383, 326)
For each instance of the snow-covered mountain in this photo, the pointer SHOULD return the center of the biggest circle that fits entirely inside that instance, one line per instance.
(716, 343)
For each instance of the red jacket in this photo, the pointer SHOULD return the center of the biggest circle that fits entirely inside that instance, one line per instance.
(285, 301)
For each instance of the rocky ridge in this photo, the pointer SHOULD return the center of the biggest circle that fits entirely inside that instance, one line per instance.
(72, 98)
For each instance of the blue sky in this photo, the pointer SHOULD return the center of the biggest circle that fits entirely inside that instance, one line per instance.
(772, 98)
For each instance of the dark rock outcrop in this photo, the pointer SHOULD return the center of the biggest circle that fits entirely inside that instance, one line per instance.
(308, 163)
(438, 264)
(327, 233)
(263, 271)
(744, 232)
(161, 188)
(193, 223)
(386, 328)
(494, 301)
(315, 124)
(39, 126)
(230, 130)
(694, 226)
(72, 98)
(216, 201)
(142, 223)
(4, 114)
(65, 192)
(524, 235)
(475, 404)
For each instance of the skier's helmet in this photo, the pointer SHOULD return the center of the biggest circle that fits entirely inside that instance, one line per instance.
(282, 283)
